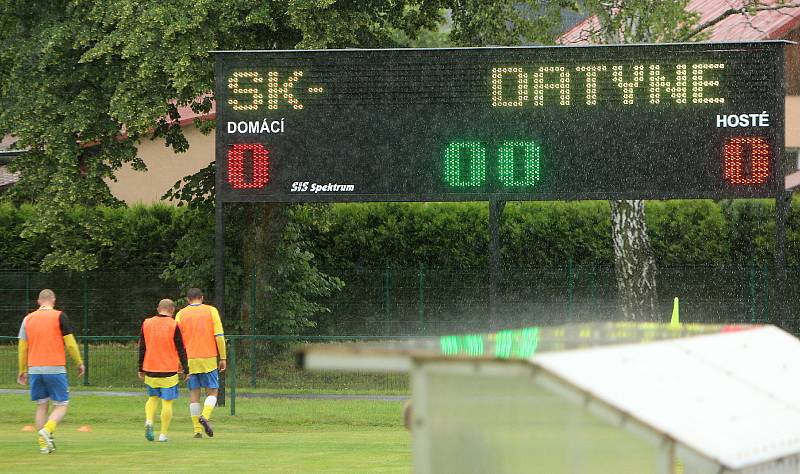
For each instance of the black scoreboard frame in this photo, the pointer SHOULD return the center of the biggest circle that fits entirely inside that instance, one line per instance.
(776, 188)
(580, 158)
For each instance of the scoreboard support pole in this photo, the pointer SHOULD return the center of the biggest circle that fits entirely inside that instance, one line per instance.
(783, 203)
(495, 270)
(219, 274)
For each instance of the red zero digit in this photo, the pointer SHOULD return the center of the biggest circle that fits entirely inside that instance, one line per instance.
(236, 159)
(735, 165)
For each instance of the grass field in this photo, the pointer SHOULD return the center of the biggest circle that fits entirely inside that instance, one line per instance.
(273, 435)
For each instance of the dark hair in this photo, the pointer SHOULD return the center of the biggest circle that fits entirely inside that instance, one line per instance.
(194, 294)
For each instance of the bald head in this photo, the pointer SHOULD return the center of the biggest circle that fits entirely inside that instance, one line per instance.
(47, 298)
(166, 306)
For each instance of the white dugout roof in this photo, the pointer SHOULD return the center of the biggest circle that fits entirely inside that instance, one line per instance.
(722, 401)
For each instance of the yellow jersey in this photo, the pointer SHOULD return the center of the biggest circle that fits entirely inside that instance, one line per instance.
(203, 336)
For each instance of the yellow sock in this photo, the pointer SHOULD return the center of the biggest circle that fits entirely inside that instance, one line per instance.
(150, 409)
(194, 411)
(50, 426)
(166, 415)
(207, 409)
(196, 424)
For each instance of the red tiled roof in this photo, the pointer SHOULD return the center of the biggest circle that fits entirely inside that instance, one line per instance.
(185, 111)
(188, 115)
(769, 24)
(8, 178)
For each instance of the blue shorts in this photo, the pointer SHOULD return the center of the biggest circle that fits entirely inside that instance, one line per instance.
(46, 387)
(170, 393)
(207, 380)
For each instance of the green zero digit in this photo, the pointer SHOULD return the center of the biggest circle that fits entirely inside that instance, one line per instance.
(476, 154)
(529, 175)
(518, 163)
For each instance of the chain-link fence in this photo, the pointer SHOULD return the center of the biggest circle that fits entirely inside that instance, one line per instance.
(97, 303)
(375, 304)
(391, 301)
(435, 301)
(258, 366)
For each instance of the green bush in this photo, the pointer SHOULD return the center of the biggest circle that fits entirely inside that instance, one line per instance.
(549, 234)
(15, 251)
(533, 234)
(141, 237)
(688, 232)
(415, 268)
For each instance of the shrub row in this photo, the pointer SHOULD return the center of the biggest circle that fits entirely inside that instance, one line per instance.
(549, 234)
(534, 234)
(142, 237)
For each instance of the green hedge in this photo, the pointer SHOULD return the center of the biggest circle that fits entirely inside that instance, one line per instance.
(420, 268)
(16, 252)
(142, 237)
(549, 234)
(533, 234)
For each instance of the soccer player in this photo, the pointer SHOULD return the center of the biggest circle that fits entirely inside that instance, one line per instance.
(44, 337)
(205, 341)
(161, 358)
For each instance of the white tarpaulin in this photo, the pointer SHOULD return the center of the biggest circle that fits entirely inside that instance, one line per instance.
(733, 398)
(600, 399)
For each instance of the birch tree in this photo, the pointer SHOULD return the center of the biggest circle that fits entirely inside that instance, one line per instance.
(650, 21)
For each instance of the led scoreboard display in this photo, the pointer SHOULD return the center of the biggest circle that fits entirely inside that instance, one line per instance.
(600, 122)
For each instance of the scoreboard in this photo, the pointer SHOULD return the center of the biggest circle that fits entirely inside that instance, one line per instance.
(696, 120)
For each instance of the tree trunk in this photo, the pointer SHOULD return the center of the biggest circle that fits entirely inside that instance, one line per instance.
(265, 223)
(634, 263)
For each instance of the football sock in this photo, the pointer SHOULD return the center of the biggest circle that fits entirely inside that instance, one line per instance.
(150, 409)
(194, 410)
(166, 416)
(50, 426)
(208, 406)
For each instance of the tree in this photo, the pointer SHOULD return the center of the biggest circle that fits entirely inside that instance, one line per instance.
(643, 21)
(648, 21)
(83, 82)
(610, 22)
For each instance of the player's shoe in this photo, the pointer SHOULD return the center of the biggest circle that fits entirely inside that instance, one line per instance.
(206, 426)
(43, 446)
(162, 438)
(148, 432)
(198, 435)
(46, 442)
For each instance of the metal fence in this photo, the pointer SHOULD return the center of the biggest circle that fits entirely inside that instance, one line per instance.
(258, 366)
(98, 303)
(437, 301)
(379, 304)
(391, 301)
